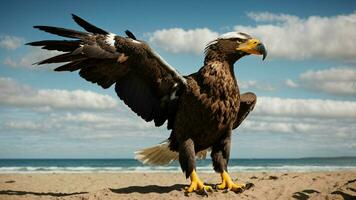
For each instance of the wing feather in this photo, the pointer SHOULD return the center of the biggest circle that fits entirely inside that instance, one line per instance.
(247, 104)
(87, 26)
(59, 45)
(143, 80)
(62, 31)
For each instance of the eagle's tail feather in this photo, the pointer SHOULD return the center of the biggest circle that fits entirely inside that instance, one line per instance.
(162, 155)
(202, 154)
(157, 155)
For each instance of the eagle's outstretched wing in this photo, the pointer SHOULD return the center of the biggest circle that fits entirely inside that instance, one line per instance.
(143, 80)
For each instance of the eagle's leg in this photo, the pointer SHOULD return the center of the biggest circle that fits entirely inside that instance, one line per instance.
(187, 163)
(220, 155)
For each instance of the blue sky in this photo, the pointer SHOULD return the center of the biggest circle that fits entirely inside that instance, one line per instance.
(306, 87)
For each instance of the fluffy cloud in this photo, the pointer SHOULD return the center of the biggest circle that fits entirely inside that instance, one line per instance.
(286, 36)
(15, 94)
(10, 62)
(109, 121)
(81, 125)
(253, 84)
(280, 127)
(291, 37)
(10, 42)
(291, 84)
(178, 40)
(27, 60)
(313, 108)
(308, 126)
(313, 117)
(28, 126)
(338, 81)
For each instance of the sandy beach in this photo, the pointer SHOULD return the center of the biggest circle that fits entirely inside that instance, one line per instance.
(91, 186)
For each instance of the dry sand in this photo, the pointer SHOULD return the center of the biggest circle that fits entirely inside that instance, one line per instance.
(90, 186)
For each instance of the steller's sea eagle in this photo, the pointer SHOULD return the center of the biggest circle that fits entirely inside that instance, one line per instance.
(201, 109)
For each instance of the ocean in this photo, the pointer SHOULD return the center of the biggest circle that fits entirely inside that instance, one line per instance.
(131, 165)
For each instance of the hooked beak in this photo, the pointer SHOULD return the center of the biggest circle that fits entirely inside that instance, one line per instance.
(253, 46)
(261, 48)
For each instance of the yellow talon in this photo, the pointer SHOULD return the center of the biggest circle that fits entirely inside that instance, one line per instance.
(226, 183)
(197, 185)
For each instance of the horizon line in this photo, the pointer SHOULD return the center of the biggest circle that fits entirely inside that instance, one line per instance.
(311, 157)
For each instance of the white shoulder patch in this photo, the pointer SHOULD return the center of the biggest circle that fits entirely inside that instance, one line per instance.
(234, 35)
(110, 39)
(135, 41)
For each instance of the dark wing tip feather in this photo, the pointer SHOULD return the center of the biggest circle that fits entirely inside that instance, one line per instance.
(66, 57)
(31, 43)
(130, 34)
(72, 66)
(87, 26)
(62, 31)
(59, 45)
(41, 27)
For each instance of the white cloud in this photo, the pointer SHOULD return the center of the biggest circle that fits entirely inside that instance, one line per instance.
(313, 117)
(253, 84)
(279, 127)
(85, 125)
(270, 17)
(28, 126)
(308, 126)
(10, 42)
(95, 121)
(10, 62)
(291, 84)
(178, 40)
(27, 60)
(338, 81)
(291, 37)
(15, 94)
(313, 108)
(285, 36)
(104, 121)
(71, 114)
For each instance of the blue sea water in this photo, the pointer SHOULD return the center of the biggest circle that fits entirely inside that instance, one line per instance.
(131, 165)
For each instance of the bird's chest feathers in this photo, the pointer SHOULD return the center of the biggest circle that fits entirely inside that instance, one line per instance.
(219, 92)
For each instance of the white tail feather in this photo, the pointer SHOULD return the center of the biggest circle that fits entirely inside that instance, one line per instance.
(162, 155)
(157, 155)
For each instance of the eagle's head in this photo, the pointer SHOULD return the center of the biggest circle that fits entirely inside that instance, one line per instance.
(232, 46)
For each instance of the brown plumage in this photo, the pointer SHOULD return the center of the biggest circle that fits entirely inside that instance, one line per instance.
(202, 109)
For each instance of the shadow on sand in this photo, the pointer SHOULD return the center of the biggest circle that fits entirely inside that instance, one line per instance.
(148, 189)
(54, 194)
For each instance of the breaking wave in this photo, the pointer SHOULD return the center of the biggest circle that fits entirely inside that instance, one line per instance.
(84, 169)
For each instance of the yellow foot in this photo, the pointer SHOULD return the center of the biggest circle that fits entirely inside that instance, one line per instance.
(227, 184)
(197, 185)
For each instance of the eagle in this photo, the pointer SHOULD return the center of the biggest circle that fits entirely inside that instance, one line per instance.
(200, 109)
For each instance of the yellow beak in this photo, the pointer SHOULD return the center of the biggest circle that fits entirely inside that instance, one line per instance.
(253, 46)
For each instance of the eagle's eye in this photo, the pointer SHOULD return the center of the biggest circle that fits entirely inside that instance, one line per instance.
(240, 40)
